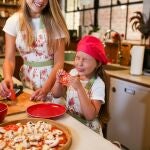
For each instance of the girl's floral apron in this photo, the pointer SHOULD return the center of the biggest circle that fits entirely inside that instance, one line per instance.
(73, 106)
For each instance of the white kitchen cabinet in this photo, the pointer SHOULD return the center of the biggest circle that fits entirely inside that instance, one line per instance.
(129, 106)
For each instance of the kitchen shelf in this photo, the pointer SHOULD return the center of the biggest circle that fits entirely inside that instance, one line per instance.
(9, 4)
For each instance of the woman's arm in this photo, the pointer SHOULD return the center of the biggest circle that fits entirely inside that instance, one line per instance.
(10, 51)
(58, 64)
(9, 64)
(40, 94)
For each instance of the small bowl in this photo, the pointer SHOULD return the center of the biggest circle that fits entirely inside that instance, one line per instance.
(3, 111)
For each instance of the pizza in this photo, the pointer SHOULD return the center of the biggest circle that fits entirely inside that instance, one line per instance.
(34, 134)
(65, 79)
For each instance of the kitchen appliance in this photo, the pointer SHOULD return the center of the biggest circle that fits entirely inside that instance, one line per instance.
(129, 114)
(146, 64)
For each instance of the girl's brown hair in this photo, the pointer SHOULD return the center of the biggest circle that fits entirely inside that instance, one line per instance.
(104, 110)
(52, 19)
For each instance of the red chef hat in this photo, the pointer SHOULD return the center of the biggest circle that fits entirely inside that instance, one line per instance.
(93, 47)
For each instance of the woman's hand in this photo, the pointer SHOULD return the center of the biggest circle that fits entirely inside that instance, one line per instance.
(5, 87)
(39, 95)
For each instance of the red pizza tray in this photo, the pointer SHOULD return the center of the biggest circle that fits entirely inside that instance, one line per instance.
(46, 110)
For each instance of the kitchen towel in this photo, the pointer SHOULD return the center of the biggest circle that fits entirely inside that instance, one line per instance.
(137, 57)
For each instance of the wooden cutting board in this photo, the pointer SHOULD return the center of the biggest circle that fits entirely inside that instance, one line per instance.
(20, 105)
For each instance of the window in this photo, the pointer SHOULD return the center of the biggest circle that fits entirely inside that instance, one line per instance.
(111, 14)
(79, 13)
(105, 3)
(104, 20)
(76, 5)
(118, 19)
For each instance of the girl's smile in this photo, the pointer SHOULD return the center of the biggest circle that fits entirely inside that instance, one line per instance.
(38, 4)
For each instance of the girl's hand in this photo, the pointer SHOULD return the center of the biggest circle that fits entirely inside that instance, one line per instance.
(5, 86)
(39, 95)
(62, 77)
(59, 74)
(74, 81)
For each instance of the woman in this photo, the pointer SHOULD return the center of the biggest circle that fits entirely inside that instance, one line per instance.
(39, 32)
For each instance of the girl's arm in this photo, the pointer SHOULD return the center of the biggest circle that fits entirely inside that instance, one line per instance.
(58, 89)
(9, 64)
(90, 108)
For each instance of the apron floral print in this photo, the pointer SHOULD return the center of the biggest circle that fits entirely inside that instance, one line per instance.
(34, 76)
(73, 106)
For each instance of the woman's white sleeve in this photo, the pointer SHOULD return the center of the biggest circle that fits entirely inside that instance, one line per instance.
(11, 25)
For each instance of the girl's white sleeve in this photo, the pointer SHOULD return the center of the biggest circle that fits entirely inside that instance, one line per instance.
(11, 25)
(98, 90)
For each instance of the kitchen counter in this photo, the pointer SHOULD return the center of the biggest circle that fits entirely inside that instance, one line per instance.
(121, 74)
(124, 74)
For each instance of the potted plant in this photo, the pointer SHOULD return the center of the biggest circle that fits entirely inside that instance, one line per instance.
(94, 31)
(142, 24)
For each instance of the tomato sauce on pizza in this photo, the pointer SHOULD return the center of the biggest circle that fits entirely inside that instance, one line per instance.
(38, 135)
(65, 79)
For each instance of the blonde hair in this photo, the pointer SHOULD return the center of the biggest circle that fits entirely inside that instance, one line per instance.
(52, 19)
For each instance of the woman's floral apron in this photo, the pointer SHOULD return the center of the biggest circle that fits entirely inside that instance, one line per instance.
(38, 60)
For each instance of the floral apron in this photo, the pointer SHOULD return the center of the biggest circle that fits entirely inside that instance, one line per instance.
(73, 106)
(38, 59)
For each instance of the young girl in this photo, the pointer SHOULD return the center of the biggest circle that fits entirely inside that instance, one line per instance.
(39, 32)
(86, 91)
